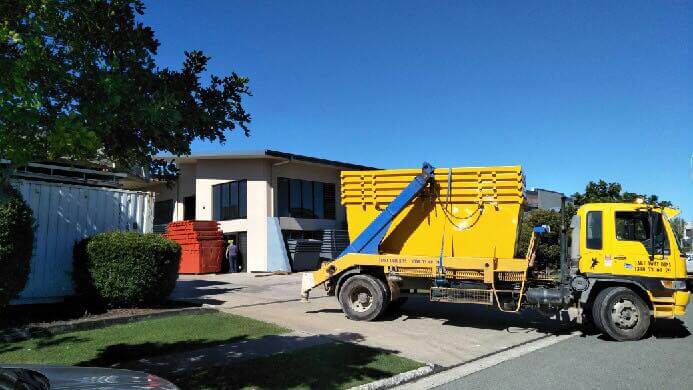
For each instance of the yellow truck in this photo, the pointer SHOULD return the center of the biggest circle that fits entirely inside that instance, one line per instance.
(452, 233)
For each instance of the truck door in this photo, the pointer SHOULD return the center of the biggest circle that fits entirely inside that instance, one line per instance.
(633, 245)
(592, 254)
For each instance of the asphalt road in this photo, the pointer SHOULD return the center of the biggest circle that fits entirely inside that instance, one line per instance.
(662, 361)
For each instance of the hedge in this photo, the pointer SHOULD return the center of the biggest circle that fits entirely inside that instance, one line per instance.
(126, 269)
(16, 243)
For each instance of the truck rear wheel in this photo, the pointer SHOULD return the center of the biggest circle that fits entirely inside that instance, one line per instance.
(622, 314)
(363, 297)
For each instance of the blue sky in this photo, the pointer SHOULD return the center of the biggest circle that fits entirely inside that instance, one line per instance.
(572, 91)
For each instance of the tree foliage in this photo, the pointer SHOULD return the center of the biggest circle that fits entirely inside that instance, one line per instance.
(16, 243)
(605, 192)
(79, 81)
(549, 248)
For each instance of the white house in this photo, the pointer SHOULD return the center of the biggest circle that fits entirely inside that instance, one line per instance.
(257, 197)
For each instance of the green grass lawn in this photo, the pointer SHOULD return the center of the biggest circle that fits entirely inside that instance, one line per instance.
(119, 343)
(328, 366)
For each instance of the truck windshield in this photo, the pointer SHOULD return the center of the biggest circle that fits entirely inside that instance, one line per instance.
(635, 226)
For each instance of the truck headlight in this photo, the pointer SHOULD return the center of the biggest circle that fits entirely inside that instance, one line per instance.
(674, 284)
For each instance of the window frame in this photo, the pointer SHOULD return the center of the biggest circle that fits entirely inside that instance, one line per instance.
(285, 200)
(588, 218)
(221, 213)
(664, 246)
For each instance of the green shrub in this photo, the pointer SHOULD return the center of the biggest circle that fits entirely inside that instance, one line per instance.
(16, 243)
(126, 269)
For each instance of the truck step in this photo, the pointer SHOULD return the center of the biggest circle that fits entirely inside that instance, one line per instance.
(459, 295)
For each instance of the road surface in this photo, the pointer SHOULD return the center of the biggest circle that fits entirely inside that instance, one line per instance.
(662, 361)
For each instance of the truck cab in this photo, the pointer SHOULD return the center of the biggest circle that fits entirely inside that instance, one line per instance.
(633, 266)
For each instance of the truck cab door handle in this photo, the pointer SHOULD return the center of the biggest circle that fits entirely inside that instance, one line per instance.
(619, 257)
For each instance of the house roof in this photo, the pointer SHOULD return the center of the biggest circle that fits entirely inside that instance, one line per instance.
(267, 154)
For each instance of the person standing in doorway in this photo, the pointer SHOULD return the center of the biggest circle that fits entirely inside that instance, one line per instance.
(232, 256)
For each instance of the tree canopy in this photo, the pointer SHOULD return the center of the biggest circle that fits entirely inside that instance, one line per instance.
(604, 192)
(80, 81)
(549, 247)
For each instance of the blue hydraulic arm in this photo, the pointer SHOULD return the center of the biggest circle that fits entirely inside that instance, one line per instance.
(369, 240)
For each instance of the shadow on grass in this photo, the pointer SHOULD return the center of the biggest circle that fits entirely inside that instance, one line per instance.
(58, 340)
(73, 309)
(116, 354)
(327, 366)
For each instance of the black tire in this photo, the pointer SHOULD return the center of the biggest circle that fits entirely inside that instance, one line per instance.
(22, 379)
(597, 309)
(623, 314)
(363, 297)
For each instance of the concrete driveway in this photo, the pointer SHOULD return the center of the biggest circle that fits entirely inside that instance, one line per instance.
(439, 333)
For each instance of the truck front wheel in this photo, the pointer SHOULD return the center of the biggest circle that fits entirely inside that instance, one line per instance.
(622, 314)
(362, 298)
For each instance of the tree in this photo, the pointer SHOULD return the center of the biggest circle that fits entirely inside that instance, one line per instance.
(604, 192)
(79, 81)
(549, 248)
(16, 243)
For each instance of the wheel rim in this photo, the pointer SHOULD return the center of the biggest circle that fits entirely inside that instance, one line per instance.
(625, 314)
(361, 299)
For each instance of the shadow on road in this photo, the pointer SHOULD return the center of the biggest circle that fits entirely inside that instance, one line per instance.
(203, 291)
(661, 329)
(670, 329)
(471, 316)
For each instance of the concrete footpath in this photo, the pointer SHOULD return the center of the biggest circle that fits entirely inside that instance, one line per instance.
(443, 334)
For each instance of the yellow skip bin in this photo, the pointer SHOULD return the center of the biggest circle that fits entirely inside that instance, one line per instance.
(477, 210)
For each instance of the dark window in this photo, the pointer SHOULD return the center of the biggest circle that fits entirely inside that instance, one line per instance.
(319, 209)
(307, 194)
(305, 199)
(635, 226)
(229, 200)
(295, 203)
(243, 198)
(233, 201)
(330, 199)
(594, 230)
(163, 212)
(189, 208)
(283, 197)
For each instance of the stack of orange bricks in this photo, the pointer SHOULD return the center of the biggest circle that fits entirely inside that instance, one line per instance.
(202, 244)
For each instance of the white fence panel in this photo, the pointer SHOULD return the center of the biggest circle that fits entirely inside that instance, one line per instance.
(65, 214)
